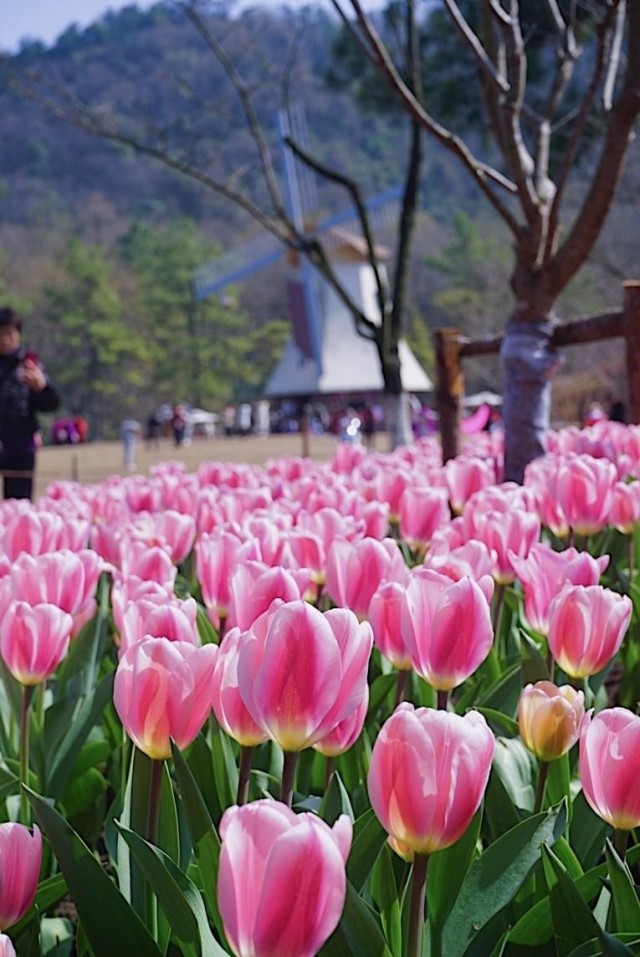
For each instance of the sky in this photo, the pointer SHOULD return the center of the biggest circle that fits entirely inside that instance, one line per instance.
(45, 20)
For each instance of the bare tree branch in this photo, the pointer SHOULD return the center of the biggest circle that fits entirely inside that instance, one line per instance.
(622, 118)
(483, 174)
(476, 47)
(255, 129)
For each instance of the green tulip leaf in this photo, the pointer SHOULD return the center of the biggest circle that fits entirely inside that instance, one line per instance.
(111, 926)
(496, 876)
(204, 838)
(573, 922)
(77, 726)
(535, 926)
(605, 945)
(369, 837)
(386, 895)
(335, 801)
(358, 932)
(178, 897)
(626, 906)
(447, 872)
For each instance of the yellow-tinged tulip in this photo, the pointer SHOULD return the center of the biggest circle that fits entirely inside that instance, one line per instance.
(549, 718)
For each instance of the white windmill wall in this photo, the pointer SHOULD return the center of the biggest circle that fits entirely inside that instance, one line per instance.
(350, 362)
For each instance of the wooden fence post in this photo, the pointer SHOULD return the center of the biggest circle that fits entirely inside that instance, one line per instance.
(631, 325)
(449, 389)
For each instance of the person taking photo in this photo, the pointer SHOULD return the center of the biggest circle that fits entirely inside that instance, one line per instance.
(25, 390)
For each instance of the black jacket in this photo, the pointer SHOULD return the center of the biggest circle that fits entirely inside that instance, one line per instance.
(19, 405)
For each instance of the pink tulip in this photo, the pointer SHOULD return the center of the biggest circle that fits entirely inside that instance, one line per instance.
(446, 628)
(152, 562)
(30, 531)
(34, 640)
(217, 556)
(63, 578)
(254, 586)
(465, 476)
(624, 513)
(609, 765)
(581, 490)
(159, 616)
(6, 946)
(162, 690)
(586, 628)
(356, 570)
(346, 733)
(545, 572)
(130, 588)
(473, 558)
(175, 530)
(549, 718)
(20, 860)
(421, 512)
(281, 883)
(427, 777)
(228, 706)
(386, 609)
(302, 672)
(513, 532)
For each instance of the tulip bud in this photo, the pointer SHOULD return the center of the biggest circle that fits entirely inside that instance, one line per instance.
(549, 718)
(162, 691)
(20, 859)
(428, 773)
(281, 883)
(6, 947)
(609, 765)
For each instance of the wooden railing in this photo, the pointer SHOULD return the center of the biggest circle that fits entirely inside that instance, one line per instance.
(451, 348)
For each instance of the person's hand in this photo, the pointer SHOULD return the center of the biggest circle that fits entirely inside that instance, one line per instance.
(32, 375)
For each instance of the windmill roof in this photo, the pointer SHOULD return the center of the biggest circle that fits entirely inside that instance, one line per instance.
(343, 241)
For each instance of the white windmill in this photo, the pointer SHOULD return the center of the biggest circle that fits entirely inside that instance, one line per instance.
(325, 354)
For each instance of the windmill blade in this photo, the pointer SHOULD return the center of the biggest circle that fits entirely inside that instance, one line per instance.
(381, 210)
(236, 264)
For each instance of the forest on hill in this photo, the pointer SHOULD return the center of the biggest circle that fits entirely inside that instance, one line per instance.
(98, 243)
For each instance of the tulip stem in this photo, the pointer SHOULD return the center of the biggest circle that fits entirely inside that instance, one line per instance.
(329, 768)
(25, 720)
(222, 628)
(288, 777)
(415, 929)
(442, 700)
(246, 756)
(153, 806)
(543, 773)
(401, 687)
(620, 841)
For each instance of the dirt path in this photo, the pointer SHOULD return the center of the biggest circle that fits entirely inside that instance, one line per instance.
(95, 461)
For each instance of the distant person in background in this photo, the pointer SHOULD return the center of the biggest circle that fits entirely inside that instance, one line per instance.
(129, 430)
(617, 410)
(244, 419)
(25, 390)
(263, 418)
(229, 419)
(154, 430)
(178, 424)
(595, 413)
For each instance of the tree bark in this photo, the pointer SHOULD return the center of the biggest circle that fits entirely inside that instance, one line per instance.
(528, 360)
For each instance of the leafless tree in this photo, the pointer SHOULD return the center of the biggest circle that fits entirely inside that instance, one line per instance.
(538, 141)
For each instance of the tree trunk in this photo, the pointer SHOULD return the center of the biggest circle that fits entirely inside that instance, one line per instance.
(398, 417)
(528, 360)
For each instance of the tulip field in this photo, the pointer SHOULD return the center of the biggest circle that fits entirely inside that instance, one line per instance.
(373, 707)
